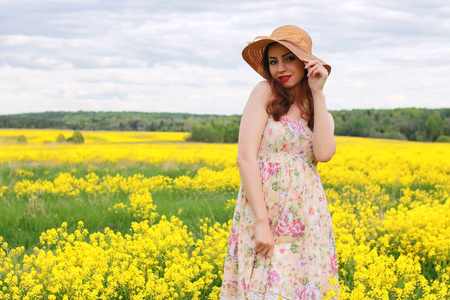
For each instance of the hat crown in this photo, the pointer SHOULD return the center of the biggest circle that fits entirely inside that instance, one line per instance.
(293, 34)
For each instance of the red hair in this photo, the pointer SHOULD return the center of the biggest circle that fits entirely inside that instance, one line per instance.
(282, 99)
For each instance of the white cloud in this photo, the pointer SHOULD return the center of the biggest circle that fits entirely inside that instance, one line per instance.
(178, 88)
(186, 57)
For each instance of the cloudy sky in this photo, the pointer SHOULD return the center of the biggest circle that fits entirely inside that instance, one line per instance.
(185, 55)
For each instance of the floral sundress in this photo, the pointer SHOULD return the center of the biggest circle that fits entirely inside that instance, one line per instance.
(304, 258)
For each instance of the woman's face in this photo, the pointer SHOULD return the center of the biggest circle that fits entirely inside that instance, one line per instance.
(284, 66)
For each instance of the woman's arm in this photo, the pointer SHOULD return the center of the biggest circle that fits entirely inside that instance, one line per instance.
(254, 119)
(324, 144)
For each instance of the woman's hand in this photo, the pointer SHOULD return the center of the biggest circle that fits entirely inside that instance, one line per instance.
(264, 239)
(317, 75)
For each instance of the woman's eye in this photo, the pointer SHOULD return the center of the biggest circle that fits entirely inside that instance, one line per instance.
(272, 62)
(289, 58)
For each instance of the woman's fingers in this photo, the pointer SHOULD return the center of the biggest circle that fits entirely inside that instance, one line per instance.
(264, 239)
(267, 251)
(264, 249)
(313, 70)
(311, 65)
(315, 67)
(261, 246)
(310, 62)
(317, 74)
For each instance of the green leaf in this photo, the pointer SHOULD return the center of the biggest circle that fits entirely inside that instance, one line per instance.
(275, 186)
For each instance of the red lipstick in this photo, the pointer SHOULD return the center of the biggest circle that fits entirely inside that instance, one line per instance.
(284, 78)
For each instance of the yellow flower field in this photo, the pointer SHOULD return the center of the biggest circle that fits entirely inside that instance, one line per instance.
(45, 136)
(389, 200)
(218, 155)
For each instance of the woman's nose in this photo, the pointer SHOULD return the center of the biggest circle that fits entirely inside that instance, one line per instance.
(281, 67)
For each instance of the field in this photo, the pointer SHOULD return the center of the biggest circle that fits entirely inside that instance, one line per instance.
(146, 216)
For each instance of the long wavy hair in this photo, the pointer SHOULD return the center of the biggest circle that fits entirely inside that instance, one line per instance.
(282, 98)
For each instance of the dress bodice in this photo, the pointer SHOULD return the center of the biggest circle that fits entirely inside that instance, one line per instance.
(287, 141)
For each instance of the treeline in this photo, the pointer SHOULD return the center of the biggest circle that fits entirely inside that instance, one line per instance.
(414, 124)
(114, 121)
(219, 130)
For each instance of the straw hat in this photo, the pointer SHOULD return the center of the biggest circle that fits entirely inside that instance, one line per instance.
(292, 37)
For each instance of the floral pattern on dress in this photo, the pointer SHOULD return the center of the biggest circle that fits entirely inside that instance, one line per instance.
(305, 255)
(288, 226)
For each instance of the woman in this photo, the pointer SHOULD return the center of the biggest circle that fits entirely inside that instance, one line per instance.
(282, 240)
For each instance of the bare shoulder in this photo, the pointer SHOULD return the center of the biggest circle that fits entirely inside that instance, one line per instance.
(261, 92)
(263, 87)
(257, 101)
(253, 121)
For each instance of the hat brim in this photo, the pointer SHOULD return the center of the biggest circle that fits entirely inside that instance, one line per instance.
(253, 54)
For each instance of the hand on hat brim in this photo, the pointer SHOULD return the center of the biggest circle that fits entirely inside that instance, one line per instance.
(317, 74)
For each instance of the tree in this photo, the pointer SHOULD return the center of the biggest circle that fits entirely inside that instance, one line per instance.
(434, 126)
(60, 138)
(77, 138)
(443, 139)
(360, 124)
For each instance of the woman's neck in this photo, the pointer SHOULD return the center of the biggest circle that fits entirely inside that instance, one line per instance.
(299, 93)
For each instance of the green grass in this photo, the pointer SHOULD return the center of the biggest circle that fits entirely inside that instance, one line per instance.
(24, 218)
(195, 205)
